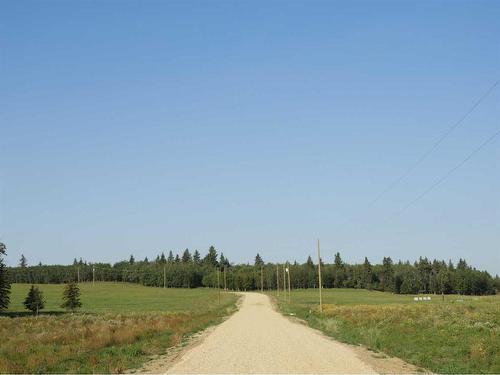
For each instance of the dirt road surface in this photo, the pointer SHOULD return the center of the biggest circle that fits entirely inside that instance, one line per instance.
(257, 339)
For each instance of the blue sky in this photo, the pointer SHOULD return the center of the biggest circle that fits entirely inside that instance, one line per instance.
(140, 127)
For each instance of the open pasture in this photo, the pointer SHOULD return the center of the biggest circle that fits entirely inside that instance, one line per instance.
(458, 335)
(120, 298)
(119, 327)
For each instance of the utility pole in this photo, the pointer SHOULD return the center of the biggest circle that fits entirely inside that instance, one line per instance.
(164, 277)
(289, 288)
(78, 272)
(277, 280)
(262, 279)
(284, 281)
(93, 275)
(319, 281)
(225, 279)
(218, 283)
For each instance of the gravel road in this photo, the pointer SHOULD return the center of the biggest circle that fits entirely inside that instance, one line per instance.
(257, 339)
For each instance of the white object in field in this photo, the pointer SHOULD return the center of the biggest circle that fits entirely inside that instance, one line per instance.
(415, 298)
(286, 269)
(420, 298)
(428, 298)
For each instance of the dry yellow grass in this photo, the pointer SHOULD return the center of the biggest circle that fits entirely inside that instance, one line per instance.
(50, 339)
(109, 342)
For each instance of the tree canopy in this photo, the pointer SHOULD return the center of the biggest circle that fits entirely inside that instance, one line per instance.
(186, 271)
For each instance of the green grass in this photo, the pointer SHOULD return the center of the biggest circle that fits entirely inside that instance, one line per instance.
(457, 335)
(367, 297)
(120, 298)
(119, 327)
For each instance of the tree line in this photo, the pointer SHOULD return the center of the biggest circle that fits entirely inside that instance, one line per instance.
(191, 270)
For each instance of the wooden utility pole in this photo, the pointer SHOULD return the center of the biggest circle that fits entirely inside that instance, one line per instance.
(225, 279)
(78, 272)
(319, 282)
(93, 275)
(262, 279)
(284, 281)
(164, 277)
(289, 288)
(277, 280)
(218, 283)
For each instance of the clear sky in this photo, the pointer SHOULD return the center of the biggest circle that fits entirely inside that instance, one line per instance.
(140, 127)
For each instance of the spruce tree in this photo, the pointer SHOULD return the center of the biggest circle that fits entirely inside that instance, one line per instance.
(23, 262)
(34, 300)
(211, 257)
(258, 260)
(186, 256)
(338, 261)
(4, 280)
(196, 257)
(367, 274)
(226, 262)
(71, 297)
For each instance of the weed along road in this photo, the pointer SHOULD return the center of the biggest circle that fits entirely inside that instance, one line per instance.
(257, 339)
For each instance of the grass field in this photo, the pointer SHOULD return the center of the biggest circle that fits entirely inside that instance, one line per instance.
(458, 335)
(119, 327)
(120, 298)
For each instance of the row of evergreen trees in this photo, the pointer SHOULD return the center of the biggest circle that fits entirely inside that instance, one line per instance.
(191, 270)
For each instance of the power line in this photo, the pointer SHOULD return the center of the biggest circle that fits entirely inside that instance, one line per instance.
(436, 144)
(430, 150)
(442, 178)
(447, 174)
